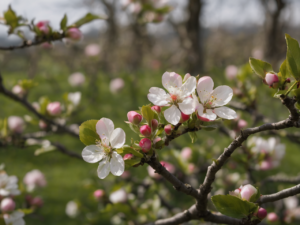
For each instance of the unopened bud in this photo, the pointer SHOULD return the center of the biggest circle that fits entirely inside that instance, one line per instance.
(92, 50)
(242, 124)
(191, 167)
(43, 26)
(76, 79)
(168, 166)
(184, 117)
(42, 124)
(128, 156)
(116, 85)
(157, 139)
(145, 130)
(156, 108)
(37, 202)
(134, 117)
(98, 194)
(74, 34)
(288, 80)
(54, 108)
(272, 217)
(145, 144)
(154, 124)
(248, 191)
(261, 213)
(186, 76)
(231, 72)
(7, 205)
(18, 90)
(168, 129)
(271, 79)
(15, 124)
(186, 153)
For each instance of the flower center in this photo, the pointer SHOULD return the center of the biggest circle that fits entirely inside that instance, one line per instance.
(174, 97)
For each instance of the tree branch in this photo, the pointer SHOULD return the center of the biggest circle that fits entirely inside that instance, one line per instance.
(281, 179)
(65, 151)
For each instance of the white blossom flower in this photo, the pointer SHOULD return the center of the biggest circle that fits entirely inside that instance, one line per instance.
(15, 218)
(74, 97)
(104, 150)
(33, 179)
(212, 101)
(119, 196)
(179, 98)
(72, 209)
(8, 185)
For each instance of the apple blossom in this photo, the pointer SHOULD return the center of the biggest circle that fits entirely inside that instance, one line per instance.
(271, 78)
(116, 85)
(15, 124)
(261, 213)
(231, 72)
(8, 185)
(74, 34)
(154, 124)
(119, 196)
(42, 124)
(145, 144)
(146, 130)
(168, 129)
(291, 202)
(98, 194)
(242, 124)
(43, 26)
(236, 192)
(105, 150)
(92, 50)
(15, 218)
(186, 76)
(168, 166)
(134, 117)
(212, 101)
(72, 209)
(135, 7)
(191, 168)
(156, 139)
(76, 79)
(34, 179)
(156, 108)
(128, 156)
(126, 174)
(7, 205)
(152, 173)
(247, 192)
(18, 90)
(184, 117)
(186, 153)
(54, 108)
(74, 98)
(37, 202)
(272, 217)
(179, 97)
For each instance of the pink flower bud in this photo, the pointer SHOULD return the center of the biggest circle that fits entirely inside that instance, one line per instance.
(231, 72)
(42, 124)
(288, 80)
(184, 117)
(98, 194)
(186, 153)
(145, 144)
(126, 174)
(186, 76)
(43, 26)
(18, 90)
(261, 213)
(168, 129)
(152, 173)
(15, 124)
(92, 50)
(7, 205)
(265, 165)
(145, 130)
(76, 79)
(33, 179)
(156, 108)
(134, 117)
(168, 166)
(154, 124)
(116, 85)
(74, 34)
(272, 217)
(271, 79)
(248, 191)
(54, 108)
(242, 124)
(37, 202)
(191, 167)
(128, 156)
(157, 139)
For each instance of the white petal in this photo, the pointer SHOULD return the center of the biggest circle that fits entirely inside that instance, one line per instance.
(19, 222)
(171, 80)
(225, 112)
(188, 87)
(117, 164)
(200, 109)
(209, 115)
(172, 115)
(103, 169)
(187, 106)
(92, 154)
(157, 96)
(221, 96)
(279, 151)
(195, 101)
(204, 88)
(117, 138)
(272, 143)
(104, 128)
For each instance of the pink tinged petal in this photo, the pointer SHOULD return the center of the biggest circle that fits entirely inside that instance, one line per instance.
(173, 115)
(200, 109)
(209, 115)
(188, 87)
(195, 102)
(104, 128)
(204, 88)
(187, 106)
(103, 169)
(221, 96)
(117, 138)
(158, 96)
(92, 154)
(117, 164)
(226, 113)
(171, 80)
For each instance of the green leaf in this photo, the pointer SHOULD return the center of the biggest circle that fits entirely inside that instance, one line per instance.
(44, 150)
(43, 101)
(233, 206)
(63, 22)
(26, 211)
(193, 136)
(209, 128)
(11, 19)
(86, 19)
(284, 71)
(134, 128)
(127, 149)
(132, 162)
(293, 56)
(147, 113)
(260, 67)
(296, 93)
(87, 132)
(279, 93)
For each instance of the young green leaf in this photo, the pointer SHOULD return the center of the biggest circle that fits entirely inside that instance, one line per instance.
(132, 162)
(127, 149)
(296, 93)
(63, 22)
(293, 56)
(11, 19)
(284, 71)
(260, 67)
(147, 113)
(193, 136)
(87, 132)
(233, 206)
(86, 19)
